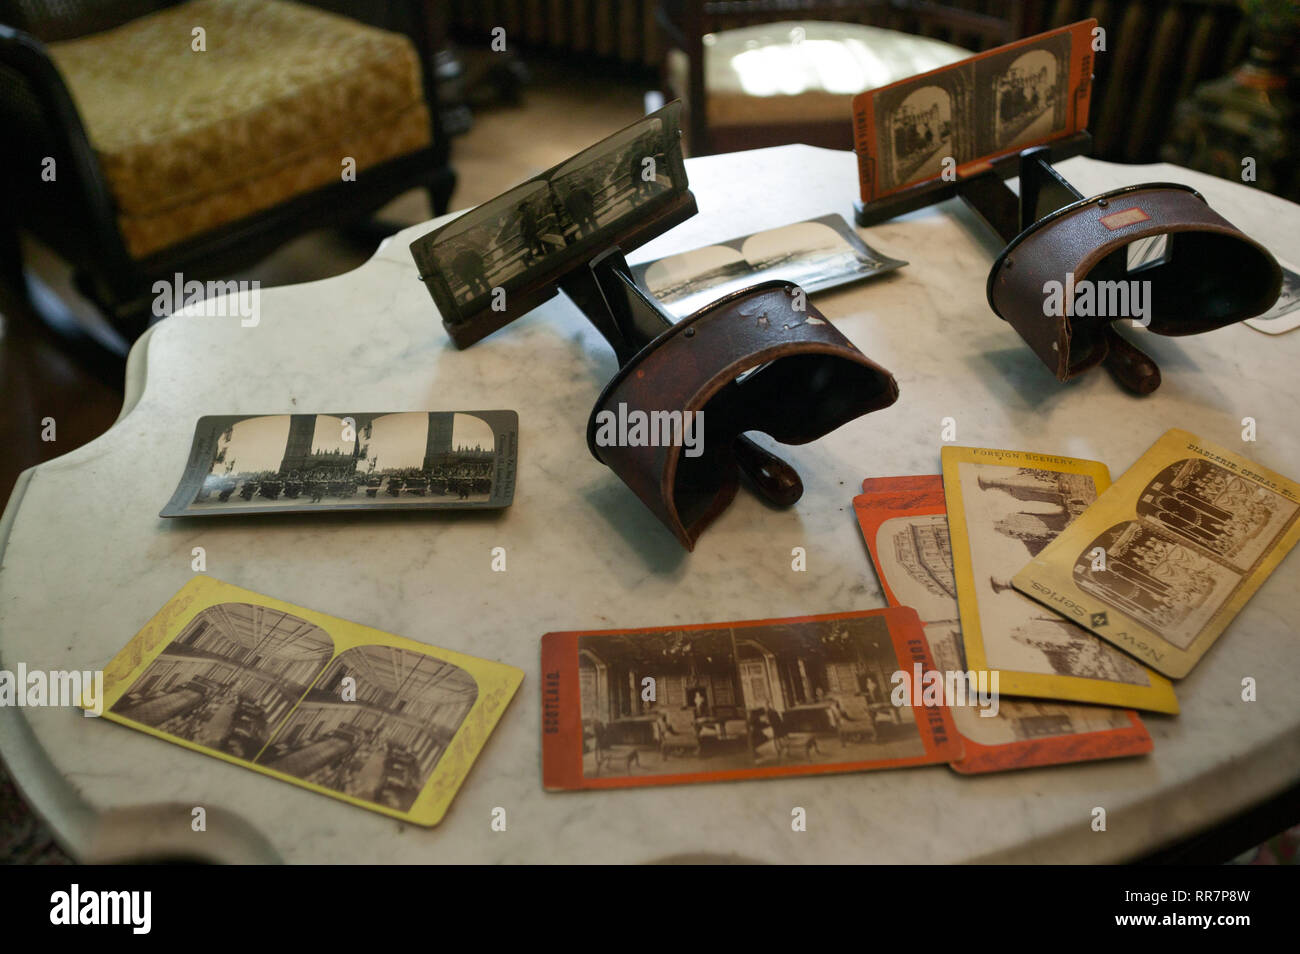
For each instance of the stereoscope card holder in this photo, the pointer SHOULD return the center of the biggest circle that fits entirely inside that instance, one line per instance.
(759, 359)
(1072, 267)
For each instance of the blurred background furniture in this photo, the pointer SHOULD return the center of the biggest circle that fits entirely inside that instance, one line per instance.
(1157, 51)
(749, 83)
(135, 155)
(1244, 125)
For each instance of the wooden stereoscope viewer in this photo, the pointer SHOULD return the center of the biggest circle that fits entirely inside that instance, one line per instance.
(759, 359)
(1195, 271)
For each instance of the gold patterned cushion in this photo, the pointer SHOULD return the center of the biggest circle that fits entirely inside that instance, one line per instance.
(802, 71)
(192, 140)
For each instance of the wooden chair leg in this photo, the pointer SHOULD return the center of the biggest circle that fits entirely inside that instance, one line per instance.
(440, 191)
(12, 280)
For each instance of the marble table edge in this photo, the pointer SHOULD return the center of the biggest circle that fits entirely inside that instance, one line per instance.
(78, 828)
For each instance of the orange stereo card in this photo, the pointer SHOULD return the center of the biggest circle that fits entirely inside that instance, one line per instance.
(953, 120)
(726, 701)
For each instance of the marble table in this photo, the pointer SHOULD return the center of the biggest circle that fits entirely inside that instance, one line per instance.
(86, 560)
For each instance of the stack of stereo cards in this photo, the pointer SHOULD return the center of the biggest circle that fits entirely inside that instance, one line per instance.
(1077, 597)
(1033, 608)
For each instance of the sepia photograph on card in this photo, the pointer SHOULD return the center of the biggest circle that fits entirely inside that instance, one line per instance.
(936, 124)
(379, 721)
(305, 463)
(755, 699)
(1003, 508)
(905, 525)
(1165, 559)
(502, 258)
(816, 255)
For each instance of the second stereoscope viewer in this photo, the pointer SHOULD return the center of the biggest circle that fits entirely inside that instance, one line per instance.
(1201, 272)
(759, 359)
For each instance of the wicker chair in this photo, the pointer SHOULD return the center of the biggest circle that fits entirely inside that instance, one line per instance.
(126, 214)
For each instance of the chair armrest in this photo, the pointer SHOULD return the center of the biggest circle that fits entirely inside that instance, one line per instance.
(681, 24)
(74, 213)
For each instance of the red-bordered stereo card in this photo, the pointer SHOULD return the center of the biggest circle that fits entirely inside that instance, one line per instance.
(905, 523)
(725, 701)
(955, 119)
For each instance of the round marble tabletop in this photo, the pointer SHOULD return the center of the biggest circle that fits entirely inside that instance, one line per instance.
(86, 561)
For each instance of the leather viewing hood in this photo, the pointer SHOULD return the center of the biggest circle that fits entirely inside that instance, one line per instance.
(1209, 274)
(747, 362)
(1157, 245)
(686, 393)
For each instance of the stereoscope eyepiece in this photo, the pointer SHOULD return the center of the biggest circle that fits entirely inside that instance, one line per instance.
(1074, 266)
(1154, 252)
(759, 359)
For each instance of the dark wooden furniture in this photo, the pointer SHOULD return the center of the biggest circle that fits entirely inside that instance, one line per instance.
(1157, 51)
(76, 214)
(685, 23)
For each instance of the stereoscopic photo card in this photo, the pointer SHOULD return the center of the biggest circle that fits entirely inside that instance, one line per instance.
(726, 701)
(1164, 560)
(1004, 507)
(305, 463)
(816, 255)
(373, 719)
(959, 116)
(905, 523)
(501, 259)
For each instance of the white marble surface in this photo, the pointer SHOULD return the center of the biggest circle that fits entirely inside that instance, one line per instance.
(86, 560)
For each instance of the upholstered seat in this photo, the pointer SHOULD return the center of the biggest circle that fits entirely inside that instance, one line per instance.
(796, 73)
(190, 140)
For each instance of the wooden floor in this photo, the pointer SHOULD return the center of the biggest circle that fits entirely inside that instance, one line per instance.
(561, 113)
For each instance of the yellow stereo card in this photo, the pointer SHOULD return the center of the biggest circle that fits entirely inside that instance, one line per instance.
(377, 720)
(1004, 507)
(1169, 555)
